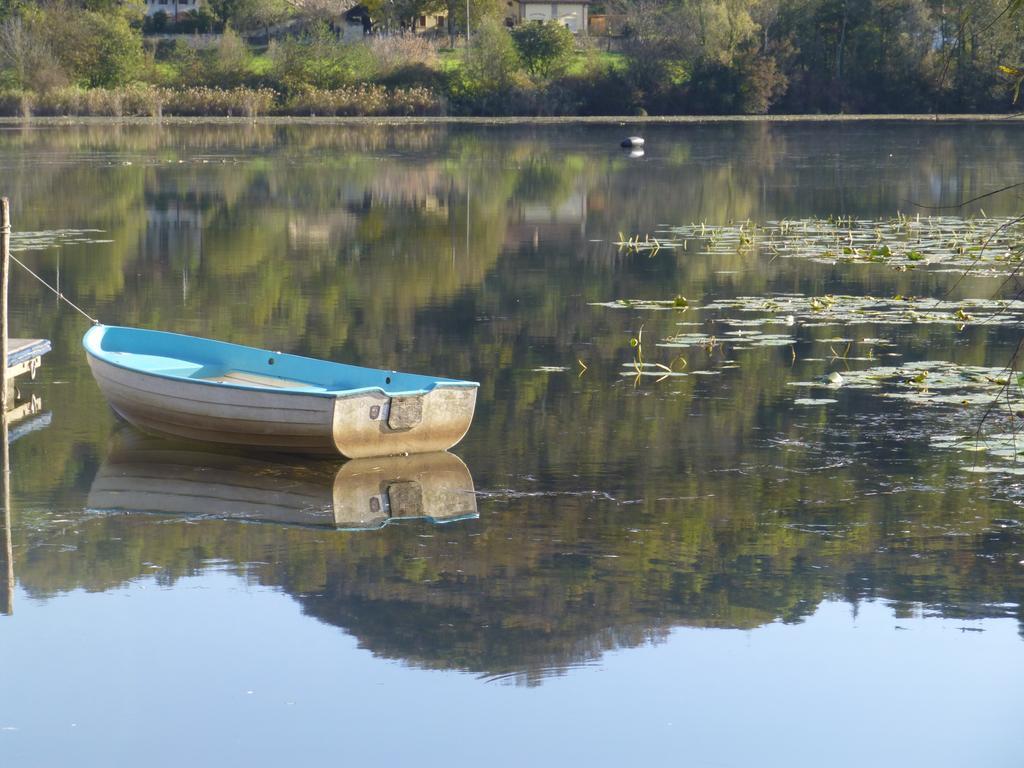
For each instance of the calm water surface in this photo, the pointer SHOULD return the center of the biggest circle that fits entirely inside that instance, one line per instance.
(694, 570)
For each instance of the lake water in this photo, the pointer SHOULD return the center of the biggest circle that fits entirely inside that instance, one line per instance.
(709, 564)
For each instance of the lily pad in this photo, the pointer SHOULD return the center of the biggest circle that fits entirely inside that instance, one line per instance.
(933, 382)
(952, 243)
(822, 311)
(54, 238)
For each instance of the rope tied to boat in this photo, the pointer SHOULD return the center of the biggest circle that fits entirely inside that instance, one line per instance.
(59, 295)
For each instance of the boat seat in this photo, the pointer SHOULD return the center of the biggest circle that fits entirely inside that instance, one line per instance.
(261, 380)
(156, 364)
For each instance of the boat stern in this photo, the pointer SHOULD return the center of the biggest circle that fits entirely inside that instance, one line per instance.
(381, 424)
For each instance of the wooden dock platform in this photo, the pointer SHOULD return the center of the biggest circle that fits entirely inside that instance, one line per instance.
(24, 356)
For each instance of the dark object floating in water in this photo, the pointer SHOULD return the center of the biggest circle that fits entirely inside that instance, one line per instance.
(632, 142)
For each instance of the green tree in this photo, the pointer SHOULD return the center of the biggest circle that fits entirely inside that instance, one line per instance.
(491, 65)
(667, 43)
(95, 48)
(974, 37)
(201, 20)
(159, 21)
(225, 10)
(27, 59)
(545, 49)
(231, 59)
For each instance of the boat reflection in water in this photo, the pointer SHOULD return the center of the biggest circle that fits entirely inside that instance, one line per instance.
(146, 474)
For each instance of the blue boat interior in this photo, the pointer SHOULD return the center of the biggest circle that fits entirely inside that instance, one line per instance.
(219, 363)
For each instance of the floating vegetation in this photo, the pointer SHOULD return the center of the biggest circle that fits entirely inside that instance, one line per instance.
(1007, 446)
(55, 238)
(650, 369)
(931, 382)
(679, 304)
(744, 337)
(904, 242)
(684, 340)
(551, 369)
(995, 469)
(828, 310)
(643, 368)
(738, 322)
(947, 385)
(832, 310)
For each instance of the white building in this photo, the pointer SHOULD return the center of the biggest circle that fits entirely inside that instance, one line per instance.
(173, 8)
(570, 13)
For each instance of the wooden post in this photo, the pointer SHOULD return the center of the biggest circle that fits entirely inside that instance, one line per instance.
(7, 575)
(7, 592)
(5, 263)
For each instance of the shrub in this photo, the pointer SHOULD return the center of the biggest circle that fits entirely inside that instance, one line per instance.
(223, 102)
(158, 21)
(144, 100)
(492, 61)
(545, 49)
(414, 76)
(318, 60)
(200, 20)
(391, 53)
(27, 56)
(415, 101)
(749, 86)
(130, 101)
(189, 65)
(231, 59)
(16, 103)
(363, 100)
(490, 81)
(358, 100)
(601, 92)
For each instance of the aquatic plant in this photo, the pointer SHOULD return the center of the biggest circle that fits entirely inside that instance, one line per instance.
(948, 243)
(55, 238)
(933, 382)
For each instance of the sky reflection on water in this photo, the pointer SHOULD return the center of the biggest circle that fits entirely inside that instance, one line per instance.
(230, 693)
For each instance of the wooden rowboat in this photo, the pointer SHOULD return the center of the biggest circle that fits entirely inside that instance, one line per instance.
(199, 389)
(152, 476)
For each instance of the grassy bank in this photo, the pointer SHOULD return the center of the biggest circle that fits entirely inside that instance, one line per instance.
(203, 101)
(396, 120)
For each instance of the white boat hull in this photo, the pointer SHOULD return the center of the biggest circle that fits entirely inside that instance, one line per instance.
(356, 426)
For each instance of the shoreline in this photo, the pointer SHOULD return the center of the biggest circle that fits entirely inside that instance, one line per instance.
(523, 120)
